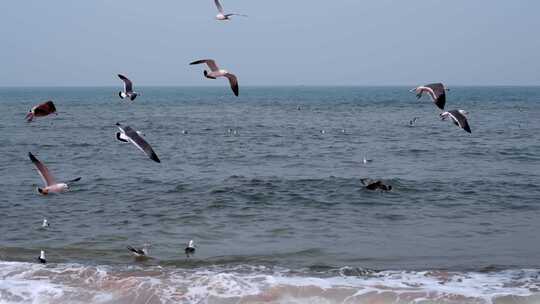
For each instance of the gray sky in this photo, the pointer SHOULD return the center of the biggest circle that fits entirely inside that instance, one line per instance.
(295, 42)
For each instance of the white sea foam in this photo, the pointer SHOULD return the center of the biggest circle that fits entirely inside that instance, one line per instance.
(72, 283)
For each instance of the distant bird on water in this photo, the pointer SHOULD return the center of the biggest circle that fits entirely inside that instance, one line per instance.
(128, 89)
(216, 72)
(41, 110)
(190, 249)
(437, 92)
(45, 223)
(139, 252)
(51, 186)
(458, 118)
(221, 13)
(42, 258)
(374, 185)
(127, 134)
(365, 160)
(413, 121)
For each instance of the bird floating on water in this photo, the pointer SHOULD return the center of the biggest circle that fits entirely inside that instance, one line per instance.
(127, 134)
(437, 92)
(216, 72)
(221, 16)
(51, 186)
(190, 249)
(458, 117)
(42, 258)
(365, 160)
(413, 121)
(41, 110)
(128, 89)
(45, 223)
(374, 185)
(139, 252)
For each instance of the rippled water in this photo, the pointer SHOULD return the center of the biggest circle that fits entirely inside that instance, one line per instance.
(274, 204)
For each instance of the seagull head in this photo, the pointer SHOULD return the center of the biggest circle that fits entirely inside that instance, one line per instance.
(191, 244)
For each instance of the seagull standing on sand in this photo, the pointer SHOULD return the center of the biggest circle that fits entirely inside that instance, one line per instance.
(51, 186)
(216, 72)
(221, 13)
(128, 89)
(190, 249)
(41, 110)
(127, 134)
(437, 92)
(458, 117)
(42, 258)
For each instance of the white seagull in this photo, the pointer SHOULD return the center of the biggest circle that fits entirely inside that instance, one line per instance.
(437, 92)
(128, 89)
(45, 223)
(458, 117)
(42, 258)
(190, 249)
(51, 186)
(216, 72)
(221, 13)
(127, 134)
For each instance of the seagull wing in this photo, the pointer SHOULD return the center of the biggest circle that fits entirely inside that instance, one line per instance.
(46, 176)
(128, 85)
(460, 119)
(218, 5)
(234, 83)
(45, 108)
(373, 186)
(440, 94)
(139, 142)
(135, 251)
(235, 14)
(211, 64)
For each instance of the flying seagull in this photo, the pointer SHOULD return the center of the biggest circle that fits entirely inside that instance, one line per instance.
(142, 252)
(41, 110)
(437, 92)
(128, 89)
(221, 13)
(51, 186)
(216, 72)
(41, 257)
(458, 117)
(127, 134)
(190, 249)
(374, 185)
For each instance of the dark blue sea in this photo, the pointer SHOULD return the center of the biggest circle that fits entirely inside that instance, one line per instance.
(268, 187)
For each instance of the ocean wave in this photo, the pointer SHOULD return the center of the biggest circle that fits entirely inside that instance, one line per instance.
(75, 283)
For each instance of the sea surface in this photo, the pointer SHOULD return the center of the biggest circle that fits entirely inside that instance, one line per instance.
(268, 187)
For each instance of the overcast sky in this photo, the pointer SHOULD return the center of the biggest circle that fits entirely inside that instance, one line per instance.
(282, 42)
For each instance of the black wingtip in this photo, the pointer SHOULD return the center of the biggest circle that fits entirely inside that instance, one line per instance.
(32, 157)
(118, 124)
(155, 158)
